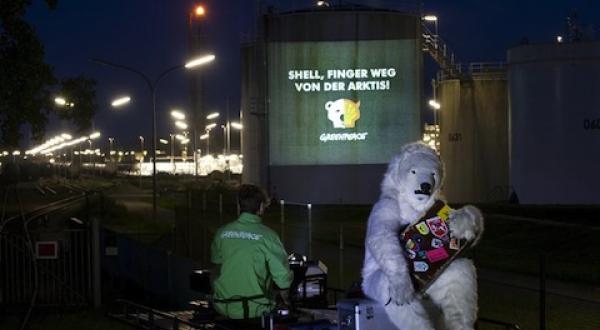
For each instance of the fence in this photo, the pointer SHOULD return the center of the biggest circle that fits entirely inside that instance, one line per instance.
(61, 281)
(44, 261)
(148, 274)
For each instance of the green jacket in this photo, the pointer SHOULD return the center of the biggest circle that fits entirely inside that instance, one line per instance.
(251, 258)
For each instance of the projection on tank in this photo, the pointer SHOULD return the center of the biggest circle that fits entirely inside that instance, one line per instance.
(340, 102)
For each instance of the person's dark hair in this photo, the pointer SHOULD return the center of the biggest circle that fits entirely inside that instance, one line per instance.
(250, 197)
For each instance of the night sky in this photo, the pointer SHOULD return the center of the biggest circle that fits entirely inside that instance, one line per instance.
(152, 36)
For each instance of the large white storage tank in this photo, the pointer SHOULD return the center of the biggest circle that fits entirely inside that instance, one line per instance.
(554, 101)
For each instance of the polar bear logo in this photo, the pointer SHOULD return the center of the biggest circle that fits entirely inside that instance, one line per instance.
(349, 109)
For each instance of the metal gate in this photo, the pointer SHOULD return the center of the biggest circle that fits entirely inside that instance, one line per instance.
(63, 280)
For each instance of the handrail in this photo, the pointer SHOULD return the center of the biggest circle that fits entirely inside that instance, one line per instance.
(438, 49)
(474, 68)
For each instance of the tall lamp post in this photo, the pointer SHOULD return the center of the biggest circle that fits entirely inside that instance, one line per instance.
(208, 128)
(110, 148)
(141, 158)
(196, 42)
(172, 151)
(152, 85)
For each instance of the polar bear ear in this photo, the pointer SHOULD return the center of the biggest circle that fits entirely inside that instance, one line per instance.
(358, 104)
(390, 180)
(397, 164)
(328, 105)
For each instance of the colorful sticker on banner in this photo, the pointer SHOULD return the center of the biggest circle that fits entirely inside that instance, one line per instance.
(421, 254)
(410, 254)
(454, 244)
(444, 212)
(411, 245)
(437, 255)
(437, 226)
(436, 243)
(420, 266)
(422, 228)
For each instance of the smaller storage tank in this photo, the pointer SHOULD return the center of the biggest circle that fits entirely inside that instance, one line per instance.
(474, 135)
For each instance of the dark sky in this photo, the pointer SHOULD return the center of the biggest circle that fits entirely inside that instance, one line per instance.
(152, 36)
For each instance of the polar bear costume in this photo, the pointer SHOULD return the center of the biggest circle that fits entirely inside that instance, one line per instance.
(410, 187)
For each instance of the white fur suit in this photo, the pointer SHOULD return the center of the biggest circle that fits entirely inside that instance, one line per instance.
(410, 187)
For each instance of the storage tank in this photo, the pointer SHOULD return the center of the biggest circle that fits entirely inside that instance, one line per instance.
(554, 93)
(474, 135)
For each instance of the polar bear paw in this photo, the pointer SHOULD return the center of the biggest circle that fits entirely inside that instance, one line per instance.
(466, 223)
(401, 292)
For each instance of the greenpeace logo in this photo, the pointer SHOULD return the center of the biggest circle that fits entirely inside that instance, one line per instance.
(343, 136)
(241, 235)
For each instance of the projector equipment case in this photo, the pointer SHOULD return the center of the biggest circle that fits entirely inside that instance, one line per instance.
(362, 314)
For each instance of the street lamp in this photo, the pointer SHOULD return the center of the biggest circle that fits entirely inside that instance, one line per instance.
(152, 85)
(120, 101)
(435, 105)
(199, 61)
(213, 115)
(196, 40)
(181, 125)
(177, 115)
(61, 101)
(199, 11)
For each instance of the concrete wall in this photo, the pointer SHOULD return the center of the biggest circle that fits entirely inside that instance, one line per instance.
(555, 122)
(474, 138)
(332, 184)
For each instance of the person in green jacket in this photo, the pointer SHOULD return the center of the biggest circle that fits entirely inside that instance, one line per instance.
(251, 258)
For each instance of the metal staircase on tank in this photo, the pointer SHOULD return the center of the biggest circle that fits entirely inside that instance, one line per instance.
(449, 68)
(439, 51)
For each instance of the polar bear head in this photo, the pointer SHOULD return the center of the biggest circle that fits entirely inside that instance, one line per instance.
(414, 176)
(349, 109)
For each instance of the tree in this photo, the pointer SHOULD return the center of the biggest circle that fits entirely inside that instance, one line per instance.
(26, 80)
(82, 92)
